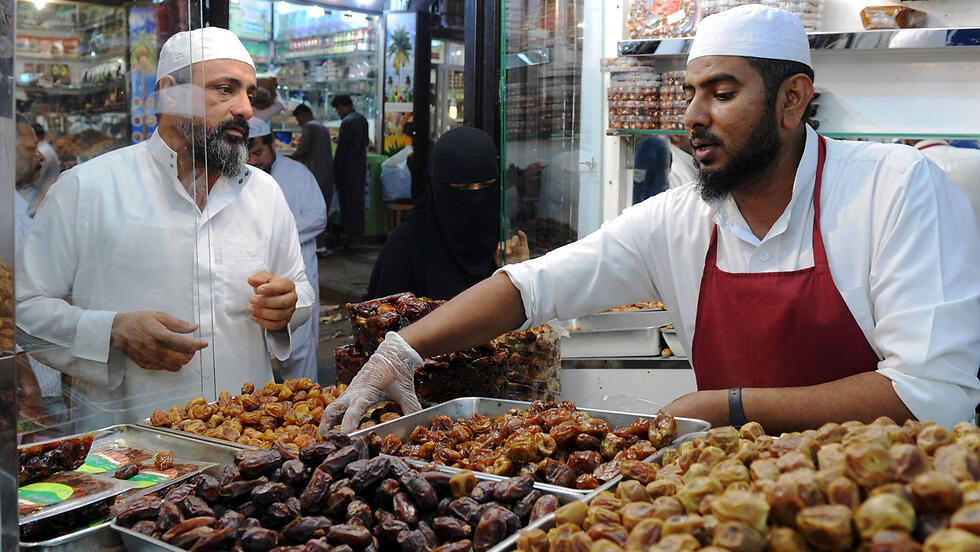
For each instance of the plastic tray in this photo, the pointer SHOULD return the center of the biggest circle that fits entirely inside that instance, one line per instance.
(183, 446)
(548, 521)
(468, 406)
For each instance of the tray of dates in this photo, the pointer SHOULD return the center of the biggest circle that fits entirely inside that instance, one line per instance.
(151, 458)
(850, 486)
(336, 495)
(561, 446)
(277, 414)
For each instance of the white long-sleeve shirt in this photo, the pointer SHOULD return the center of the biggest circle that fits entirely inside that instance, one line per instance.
(902, 244)
(683, 168)
(309, 209)
(120, 233)
(961, 164)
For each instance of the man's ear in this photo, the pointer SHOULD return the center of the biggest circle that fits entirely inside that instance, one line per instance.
(794, 98)
(166, 82)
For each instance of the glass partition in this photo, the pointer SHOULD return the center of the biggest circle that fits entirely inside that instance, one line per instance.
(552, 120)
(114, 266)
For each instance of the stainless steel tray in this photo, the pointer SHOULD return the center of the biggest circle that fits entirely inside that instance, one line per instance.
(138, 542)
(632, 342)
(145, 422)
(548, 521)
(468, 406)
(625, 320)
(100, 537)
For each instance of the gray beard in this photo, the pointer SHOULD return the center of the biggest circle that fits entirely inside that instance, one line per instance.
(209, 144)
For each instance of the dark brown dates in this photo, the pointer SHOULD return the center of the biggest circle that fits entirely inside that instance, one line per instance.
(295, 473)
(513, 489)
(355, 536)
(311, 500)
(450, 528)
(257, 539)
(305, 528)
(256, 463)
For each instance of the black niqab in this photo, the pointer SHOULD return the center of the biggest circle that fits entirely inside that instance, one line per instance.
(448, 242)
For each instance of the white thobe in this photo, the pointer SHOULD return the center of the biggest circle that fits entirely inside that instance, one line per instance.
(902, 245)
(305, 200)
(120, 233)
(961, 164)
(683, 168)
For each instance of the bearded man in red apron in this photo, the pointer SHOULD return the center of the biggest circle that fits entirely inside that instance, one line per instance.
(814, 280)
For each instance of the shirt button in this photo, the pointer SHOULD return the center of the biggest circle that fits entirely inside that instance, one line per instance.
(764, 256)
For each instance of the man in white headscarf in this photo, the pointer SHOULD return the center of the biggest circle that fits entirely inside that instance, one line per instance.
(831, 280)
(167, 269)
(310, 211)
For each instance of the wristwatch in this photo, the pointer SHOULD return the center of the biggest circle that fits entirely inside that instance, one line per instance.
(736, 414)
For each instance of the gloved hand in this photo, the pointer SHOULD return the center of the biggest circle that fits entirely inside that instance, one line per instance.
(389, 373)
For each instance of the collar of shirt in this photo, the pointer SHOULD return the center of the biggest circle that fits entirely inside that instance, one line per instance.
(729, 218)
(224, 191)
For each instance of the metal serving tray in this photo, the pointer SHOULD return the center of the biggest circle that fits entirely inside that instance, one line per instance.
(145, 422)
(182, 446)
(468, 406)
(633, 342)
(625, 320)
(138, 542)
(548, 521)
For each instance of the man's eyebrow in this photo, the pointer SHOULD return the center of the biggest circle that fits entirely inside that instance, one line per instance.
(717, 79)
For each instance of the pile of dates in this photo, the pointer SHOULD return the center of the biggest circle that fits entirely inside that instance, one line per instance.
(878, 487)
(38, 461)
(552, 442)
(286, 413)
(336, 495)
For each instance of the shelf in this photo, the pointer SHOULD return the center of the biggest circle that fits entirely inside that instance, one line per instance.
(318, 57)
(892, 39)
(61, 90)
(86, 58)
(829, 134)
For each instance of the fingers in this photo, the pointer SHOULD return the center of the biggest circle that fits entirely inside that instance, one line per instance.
(276, 285)
(175, 324)
(332, 414)
(259, 278)
(353, 415)
(286, 300)
(180, 344)
(522, 236)
(409, 403)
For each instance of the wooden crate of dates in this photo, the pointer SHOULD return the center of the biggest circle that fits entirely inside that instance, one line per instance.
(282, 415)
(338, 495)
(877, 487)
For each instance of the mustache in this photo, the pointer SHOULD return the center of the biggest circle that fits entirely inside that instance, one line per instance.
(238, 123)
(705, 137)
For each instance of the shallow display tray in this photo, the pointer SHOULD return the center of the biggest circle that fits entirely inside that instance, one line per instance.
(145, 422)
(547, 522)
(623, 320)
(183, 446)
(635, 342)
(138, 542)
(468, 406)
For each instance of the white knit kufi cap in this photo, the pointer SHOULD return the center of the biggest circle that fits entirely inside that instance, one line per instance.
(752, 30)
(188, 47)
(257, 127)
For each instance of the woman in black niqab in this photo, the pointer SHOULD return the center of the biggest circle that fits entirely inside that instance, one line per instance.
(448, 242)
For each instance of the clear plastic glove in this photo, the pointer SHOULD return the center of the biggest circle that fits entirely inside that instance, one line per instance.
(389, 373)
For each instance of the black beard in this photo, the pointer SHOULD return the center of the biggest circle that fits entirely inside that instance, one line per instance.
(762, 147)
(224, 153)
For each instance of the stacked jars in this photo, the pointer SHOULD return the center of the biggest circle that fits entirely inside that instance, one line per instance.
(672, 101)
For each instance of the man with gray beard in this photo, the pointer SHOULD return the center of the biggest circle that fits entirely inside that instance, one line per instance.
(168, 269)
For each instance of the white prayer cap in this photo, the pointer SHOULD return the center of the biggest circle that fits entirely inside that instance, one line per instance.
(752, 30)
(258, 127)
(189, 47)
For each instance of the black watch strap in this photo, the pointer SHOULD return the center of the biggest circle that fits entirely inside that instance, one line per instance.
(736, 414)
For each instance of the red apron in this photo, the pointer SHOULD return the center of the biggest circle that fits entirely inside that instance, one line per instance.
(776, 329)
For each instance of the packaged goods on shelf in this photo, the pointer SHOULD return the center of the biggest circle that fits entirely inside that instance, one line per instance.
(42, 460)
(63, 492)
(845, 486)
(891, 17)
(284, 415)
(661, 18)
(516, 365)
(338, 494)
(555, 443)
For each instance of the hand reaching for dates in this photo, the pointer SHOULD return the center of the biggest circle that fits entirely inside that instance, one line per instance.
(516, 249)
(153, 340)
(389, 373)
(274, 301)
